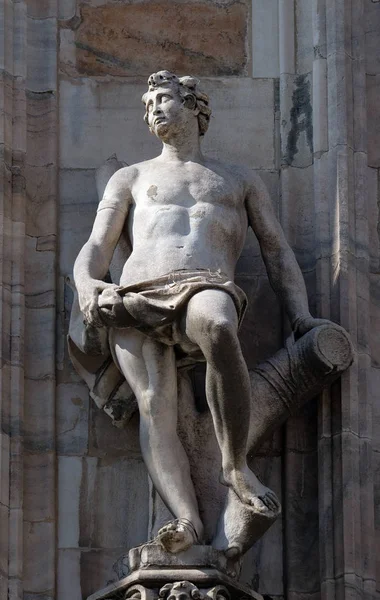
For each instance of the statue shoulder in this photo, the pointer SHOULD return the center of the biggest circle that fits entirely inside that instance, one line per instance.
(253, 183)
(117, 194)
(123, 178)
(245, 176)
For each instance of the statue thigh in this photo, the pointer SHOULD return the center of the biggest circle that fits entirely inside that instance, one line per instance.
(210, 317)
(150, 369)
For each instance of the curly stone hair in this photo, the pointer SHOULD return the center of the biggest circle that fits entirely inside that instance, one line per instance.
(186, 87)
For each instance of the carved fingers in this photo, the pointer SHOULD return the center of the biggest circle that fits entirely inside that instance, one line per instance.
(89, 302)
(112, 310)
(271, 501)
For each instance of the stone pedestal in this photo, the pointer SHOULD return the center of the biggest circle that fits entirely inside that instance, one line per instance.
(198, 573)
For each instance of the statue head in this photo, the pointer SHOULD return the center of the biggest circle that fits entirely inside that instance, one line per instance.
(164, 85)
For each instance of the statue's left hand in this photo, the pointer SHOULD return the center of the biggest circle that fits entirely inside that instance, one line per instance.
(305, 324)
(112, 310)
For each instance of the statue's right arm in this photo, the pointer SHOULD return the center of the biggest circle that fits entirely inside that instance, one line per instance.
(94, 259)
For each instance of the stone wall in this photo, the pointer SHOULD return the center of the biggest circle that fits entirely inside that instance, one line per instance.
(294, 88)
(372, 113)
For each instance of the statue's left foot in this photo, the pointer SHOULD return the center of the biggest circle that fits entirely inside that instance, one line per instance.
(177, 536)
(251, 491)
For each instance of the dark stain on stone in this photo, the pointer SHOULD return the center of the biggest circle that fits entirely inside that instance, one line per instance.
(276, 95)
(301, 118)
(152, 191)
(103, 57)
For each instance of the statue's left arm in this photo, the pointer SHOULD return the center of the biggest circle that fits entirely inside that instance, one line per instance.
(282, 268)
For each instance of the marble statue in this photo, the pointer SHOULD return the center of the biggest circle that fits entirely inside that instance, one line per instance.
(184, 217)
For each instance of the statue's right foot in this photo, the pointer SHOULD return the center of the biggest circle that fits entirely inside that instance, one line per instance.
(251, 491)
(177, 536)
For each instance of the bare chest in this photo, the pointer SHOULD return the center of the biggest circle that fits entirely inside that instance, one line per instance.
(187, 218)
(199, 194)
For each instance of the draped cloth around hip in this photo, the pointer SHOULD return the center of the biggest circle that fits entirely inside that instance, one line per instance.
(155, 308)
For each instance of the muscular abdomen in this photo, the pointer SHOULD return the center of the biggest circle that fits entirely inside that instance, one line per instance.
(170, 237)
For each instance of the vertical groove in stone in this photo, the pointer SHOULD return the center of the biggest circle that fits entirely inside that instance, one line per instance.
(320, 125)
(323, 295)
(286, 36)
(39, 479)
(300, 473)
(366, 517)
(18, 301)
(5, 281)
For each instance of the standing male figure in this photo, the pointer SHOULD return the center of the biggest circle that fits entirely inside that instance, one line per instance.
(187, 217)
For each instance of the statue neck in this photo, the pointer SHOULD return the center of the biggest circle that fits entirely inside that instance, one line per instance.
(182, 149)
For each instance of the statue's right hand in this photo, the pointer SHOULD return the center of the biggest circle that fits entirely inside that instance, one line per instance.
(88, 297)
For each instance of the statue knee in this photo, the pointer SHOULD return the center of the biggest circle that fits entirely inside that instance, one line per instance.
(220, 335)
(156, 405)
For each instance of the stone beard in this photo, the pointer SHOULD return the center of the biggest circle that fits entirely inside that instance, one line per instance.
(182, 218)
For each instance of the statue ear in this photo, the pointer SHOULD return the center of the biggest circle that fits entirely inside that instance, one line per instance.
(190, 102)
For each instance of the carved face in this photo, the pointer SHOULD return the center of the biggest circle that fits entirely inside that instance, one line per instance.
(167, 113)
(181, 590)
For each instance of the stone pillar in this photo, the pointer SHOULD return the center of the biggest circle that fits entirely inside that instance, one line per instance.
(346, 508)
(40, 307)
(27, 276)
(12, 324)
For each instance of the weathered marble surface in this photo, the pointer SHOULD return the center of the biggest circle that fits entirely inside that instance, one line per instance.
(81, 570)
(131, 39)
